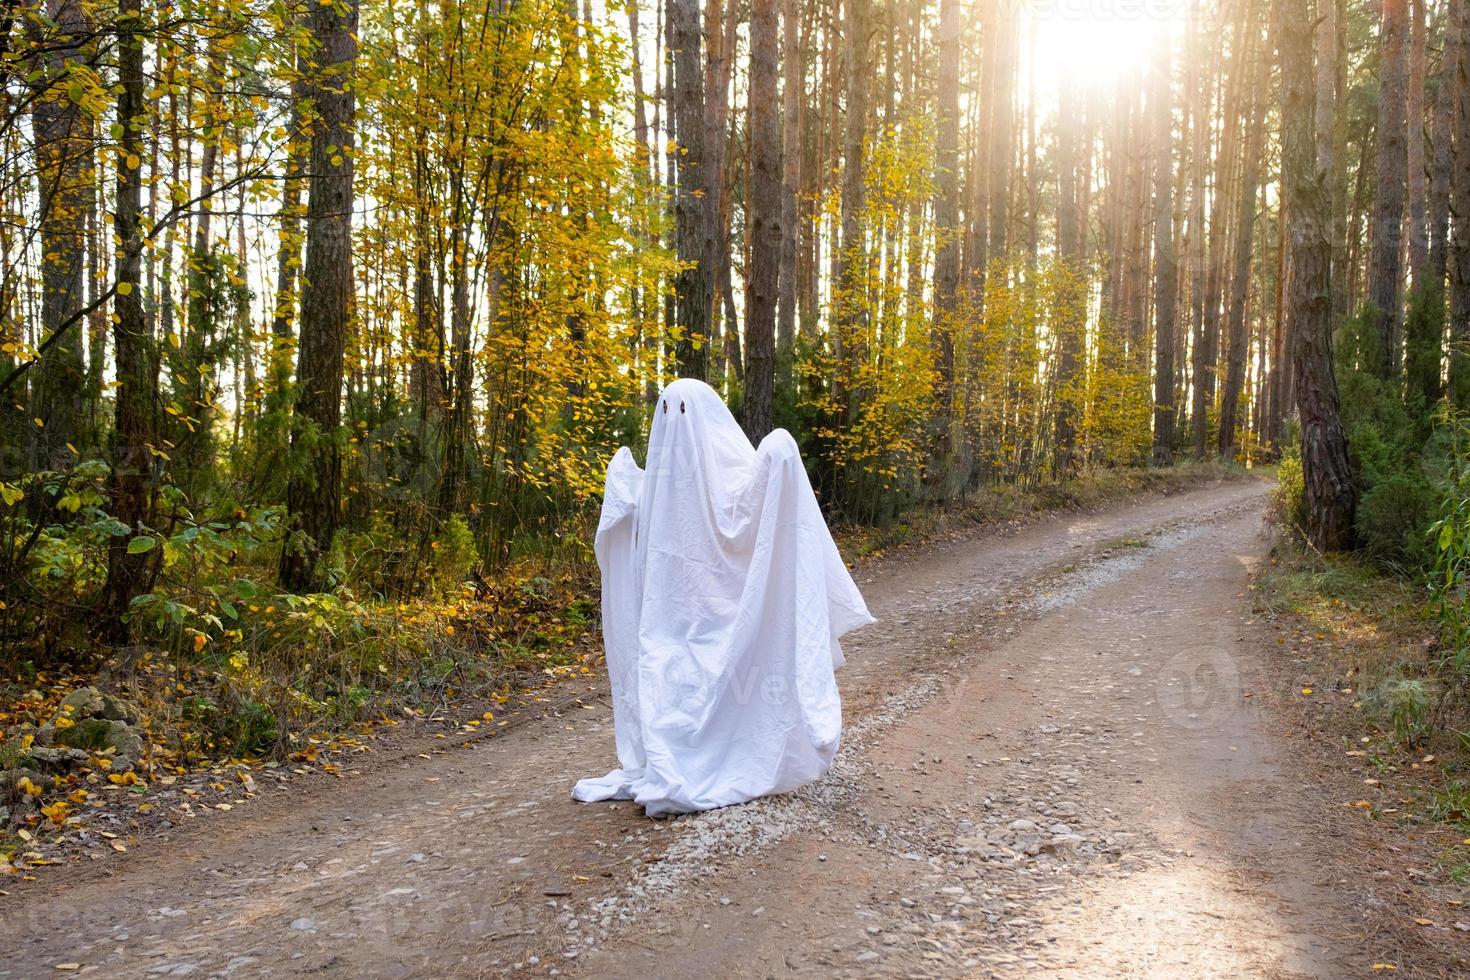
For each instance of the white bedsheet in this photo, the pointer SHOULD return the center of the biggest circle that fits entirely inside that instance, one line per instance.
(723, 599)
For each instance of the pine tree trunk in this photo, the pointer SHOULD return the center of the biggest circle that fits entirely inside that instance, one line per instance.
(135, 424)
(793, 99)
(721, 23)
(288, 258)
(850, 267)
(976, 258)
(313, 496)
(1070, 320)
(1457, 56)
(765, 229)
(1331, 141)
(948, 230)
(1202, 125)
(60, 160)
(1003, 123)
(1237, 344)
(1442, 166)
(1165, 264)
(1384, 266)
(1330, 496)
(1414, 152)
(694, 285)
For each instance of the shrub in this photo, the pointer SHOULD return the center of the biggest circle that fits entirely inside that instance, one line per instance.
(1289, 495)
(1393, 517)
(1391, 453)
(387, 561)
(1450, 579)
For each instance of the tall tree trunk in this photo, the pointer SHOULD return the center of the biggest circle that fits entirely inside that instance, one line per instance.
(1442, 166)
(1331, 141)
(288, 260)
(976, 258)
(1337, 176)
(1457, 55)
(1033, 189)
(1003, 116)
(765, 229)
(721, 23)
(313, 495)
(1227, 153)
(1330, 496)
(1237, 338)
(134, 434)
(1201, 113)
(1279, 387)
(948, 230)
(60, 160)
(1384, 267)
(1165, 265)
(1071, 311)
(1424, 319)
(694, 285)
(793, 100)
(850, 317)
(1414, 151)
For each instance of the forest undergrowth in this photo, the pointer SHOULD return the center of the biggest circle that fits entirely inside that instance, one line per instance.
(1376, 655)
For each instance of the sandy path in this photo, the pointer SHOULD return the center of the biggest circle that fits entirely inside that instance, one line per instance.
(1050, 768)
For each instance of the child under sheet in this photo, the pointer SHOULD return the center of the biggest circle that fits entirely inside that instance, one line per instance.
(723, 600)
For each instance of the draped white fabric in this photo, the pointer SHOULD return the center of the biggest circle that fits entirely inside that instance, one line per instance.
(723, 599)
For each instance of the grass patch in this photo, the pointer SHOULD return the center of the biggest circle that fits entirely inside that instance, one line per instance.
(1450, 804)
(1382, 626)
(1374, 636)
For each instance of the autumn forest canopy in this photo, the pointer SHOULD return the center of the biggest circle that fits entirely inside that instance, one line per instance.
(310, 310)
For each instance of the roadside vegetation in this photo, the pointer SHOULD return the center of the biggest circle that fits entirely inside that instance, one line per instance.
(1387, 627)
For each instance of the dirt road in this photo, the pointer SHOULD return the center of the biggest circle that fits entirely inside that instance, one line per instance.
(1052, 767)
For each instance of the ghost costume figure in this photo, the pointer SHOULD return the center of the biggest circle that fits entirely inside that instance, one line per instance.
(723, 600)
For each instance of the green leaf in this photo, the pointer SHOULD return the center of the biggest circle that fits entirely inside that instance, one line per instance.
(138, 546)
